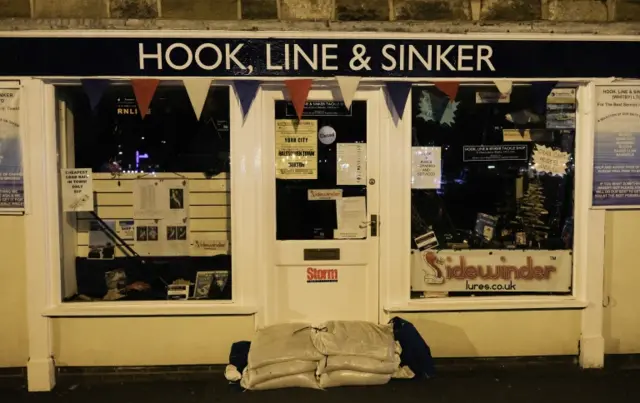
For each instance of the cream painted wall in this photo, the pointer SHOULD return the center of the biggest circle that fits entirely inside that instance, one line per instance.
(622, 277)
(205, 340)
(13, 309)
(148, 341)
(495, 334)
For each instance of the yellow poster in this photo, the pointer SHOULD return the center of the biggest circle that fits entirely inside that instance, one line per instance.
(296, 149)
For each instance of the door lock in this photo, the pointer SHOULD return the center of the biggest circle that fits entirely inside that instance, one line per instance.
(374, 225)
(372, 181)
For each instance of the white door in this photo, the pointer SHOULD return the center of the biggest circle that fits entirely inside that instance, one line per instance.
(321, 207)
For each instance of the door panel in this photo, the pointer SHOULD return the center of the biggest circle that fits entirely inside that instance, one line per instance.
(316, 273)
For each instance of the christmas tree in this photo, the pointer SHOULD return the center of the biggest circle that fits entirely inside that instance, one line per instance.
(530, 213)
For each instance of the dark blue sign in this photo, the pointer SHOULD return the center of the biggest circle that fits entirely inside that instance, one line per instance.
(266, 57)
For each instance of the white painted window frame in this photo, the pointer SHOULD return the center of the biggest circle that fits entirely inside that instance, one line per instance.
(587, 231)
(43, 182)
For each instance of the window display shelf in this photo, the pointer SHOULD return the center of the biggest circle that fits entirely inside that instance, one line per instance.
(148, 308)
(487, 304)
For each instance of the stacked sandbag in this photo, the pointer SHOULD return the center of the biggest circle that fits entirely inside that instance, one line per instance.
(282, 356)
(355, 353)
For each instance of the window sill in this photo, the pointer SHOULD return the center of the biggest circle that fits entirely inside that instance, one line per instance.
(487, 304)
(147, 308)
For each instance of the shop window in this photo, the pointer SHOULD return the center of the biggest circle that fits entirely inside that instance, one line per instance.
(160, 227)
(337, 139)
(492, 192)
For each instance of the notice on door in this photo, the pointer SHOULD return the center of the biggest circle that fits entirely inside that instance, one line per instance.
(296, 149)
(351, 164)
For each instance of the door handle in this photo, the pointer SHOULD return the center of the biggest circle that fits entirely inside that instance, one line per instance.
(374, 225)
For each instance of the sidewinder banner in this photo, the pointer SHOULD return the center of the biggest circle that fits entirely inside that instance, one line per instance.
(11, 180)
(480, 271)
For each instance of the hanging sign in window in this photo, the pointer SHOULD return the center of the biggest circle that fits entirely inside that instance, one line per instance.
(296, 149)
(495, 153)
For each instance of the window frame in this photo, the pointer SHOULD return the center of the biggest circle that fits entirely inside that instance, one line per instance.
(46, 218)
(588, 245)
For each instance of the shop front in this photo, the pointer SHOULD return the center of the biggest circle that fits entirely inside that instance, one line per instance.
(200, 186)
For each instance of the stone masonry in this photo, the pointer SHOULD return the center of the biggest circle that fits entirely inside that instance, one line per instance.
(328, 10)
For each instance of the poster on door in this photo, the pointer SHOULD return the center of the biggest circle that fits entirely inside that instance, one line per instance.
(11, 180)
(296, 149)
(616, 167)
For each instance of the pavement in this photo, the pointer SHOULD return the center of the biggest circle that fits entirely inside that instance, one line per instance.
(519, 385)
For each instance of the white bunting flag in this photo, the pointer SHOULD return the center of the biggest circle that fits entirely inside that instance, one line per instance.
(504, 86)
(348, 87)
(197, 88)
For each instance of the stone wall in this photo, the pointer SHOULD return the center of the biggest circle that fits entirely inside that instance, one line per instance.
(327, 10)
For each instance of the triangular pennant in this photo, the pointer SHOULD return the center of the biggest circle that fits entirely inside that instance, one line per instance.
(541, 90)
(398, 93)
(94, 88)
(504, 86)
(450, 88)
(198, 89)
(246, 91)
(348, 87)
(144, 89)
(298, 93)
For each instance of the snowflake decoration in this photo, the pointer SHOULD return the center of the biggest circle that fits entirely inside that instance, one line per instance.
(449, 114)
(426, 106)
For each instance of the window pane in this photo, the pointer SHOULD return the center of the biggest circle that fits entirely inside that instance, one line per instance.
(490, 195)
(162, 200)
(298, 217)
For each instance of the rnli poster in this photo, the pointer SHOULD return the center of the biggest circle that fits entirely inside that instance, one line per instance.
(11, 180)
(296, 149)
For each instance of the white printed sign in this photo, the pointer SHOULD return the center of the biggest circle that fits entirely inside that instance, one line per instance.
(491, 271)
(426, 169)
(77, 190)
(324, 194)
(351, 168)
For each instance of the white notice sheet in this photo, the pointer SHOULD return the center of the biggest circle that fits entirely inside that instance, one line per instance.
(351, 164)
(352, 217)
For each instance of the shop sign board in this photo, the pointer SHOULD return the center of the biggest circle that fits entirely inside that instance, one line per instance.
(491, 271)
(98, 55)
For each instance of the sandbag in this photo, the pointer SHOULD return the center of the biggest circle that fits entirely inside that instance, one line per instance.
(352, 378)
(359, 364)
(364, 339)
(403, 373)
(279, 370)
(281, 343)
(305, 380)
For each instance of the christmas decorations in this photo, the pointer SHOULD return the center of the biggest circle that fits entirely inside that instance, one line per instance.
(530, 212)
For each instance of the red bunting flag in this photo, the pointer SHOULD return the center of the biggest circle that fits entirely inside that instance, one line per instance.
(298, 93)
(450, 88)
(144, 89)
